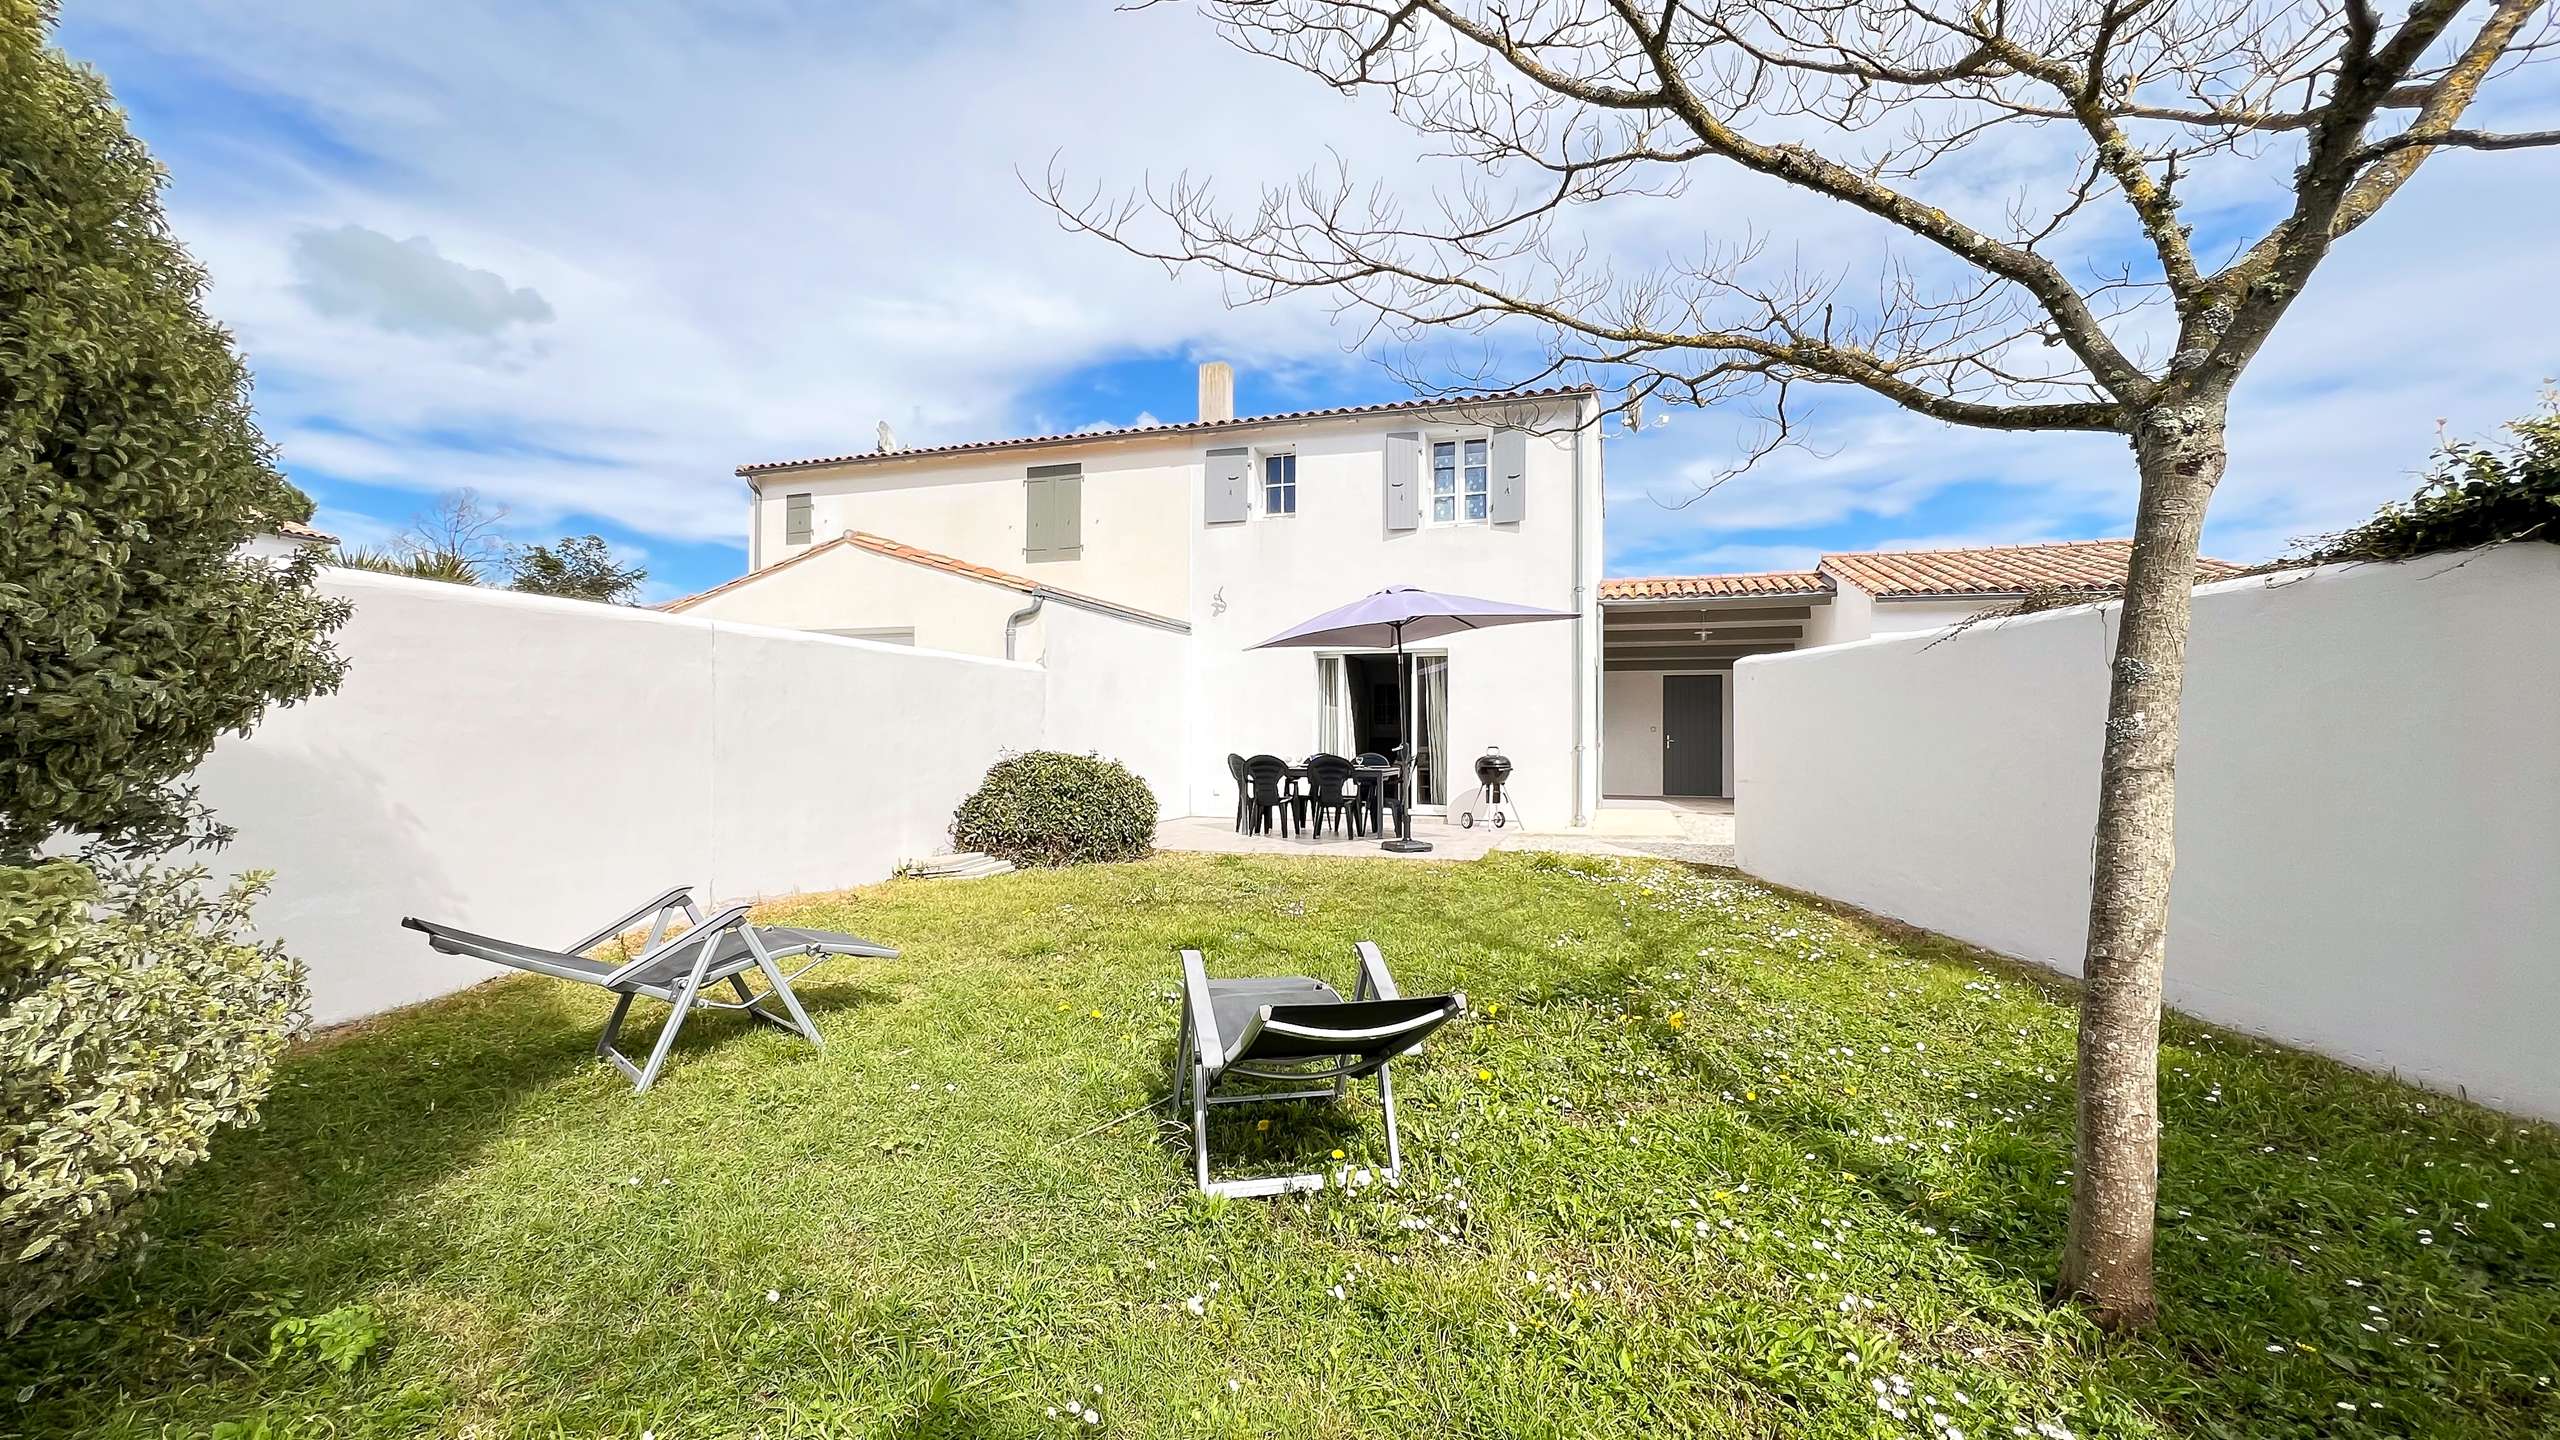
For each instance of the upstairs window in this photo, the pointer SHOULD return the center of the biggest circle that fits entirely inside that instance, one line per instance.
(1280, 484)
(795, 519)
(1053, 512)
(1461, 480)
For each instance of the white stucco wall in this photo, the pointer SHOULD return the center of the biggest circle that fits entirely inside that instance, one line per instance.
(1896, 617)
(1513, 687)
(1116, 688)
(2368, 839)
(845, 588)
(1848, 615)
(1631, 733)
(1137, 495)
(530, 767)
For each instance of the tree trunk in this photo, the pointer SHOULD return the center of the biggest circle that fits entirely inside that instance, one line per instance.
(2106, 1260)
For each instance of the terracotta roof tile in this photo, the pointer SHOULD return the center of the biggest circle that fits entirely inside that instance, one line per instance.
(296, 530)
(2092, 565)
(1186, 427)
(1716, 587)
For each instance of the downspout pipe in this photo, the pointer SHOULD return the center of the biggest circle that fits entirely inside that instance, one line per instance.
(1584, 602)
(1016, 619)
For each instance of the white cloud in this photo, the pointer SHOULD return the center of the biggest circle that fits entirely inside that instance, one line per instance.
(350, 272)
(760, 231)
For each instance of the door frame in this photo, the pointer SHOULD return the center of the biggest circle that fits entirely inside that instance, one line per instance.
(1713, 719)
(1414, 656)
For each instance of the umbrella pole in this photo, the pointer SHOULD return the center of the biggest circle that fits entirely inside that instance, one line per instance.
(1404, 843)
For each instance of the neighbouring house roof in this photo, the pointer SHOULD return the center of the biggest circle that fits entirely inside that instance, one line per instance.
(2093, 565)
(933, 560)
(1186, 427)
(1978, 571)
(1716, 587)
(296, 530)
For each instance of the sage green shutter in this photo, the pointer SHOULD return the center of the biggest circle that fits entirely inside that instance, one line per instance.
(1053, 512)
(1404, 480)
(795, 519)
(1227, 498)
(1508, 485)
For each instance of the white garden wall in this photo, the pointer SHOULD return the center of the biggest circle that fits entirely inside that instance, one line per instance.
(2368, 798)
(530, 767)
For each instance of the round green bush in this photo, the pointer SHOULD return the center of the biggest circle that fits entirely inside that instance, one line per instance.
(1044, 808)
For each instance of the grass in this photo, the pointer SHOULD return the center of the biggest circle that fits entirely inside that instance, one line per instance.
(1704, 1160)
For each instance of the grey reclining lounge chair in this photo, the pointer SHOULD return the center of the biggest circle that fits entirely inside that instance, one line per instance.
(678, 971)
(1245, 1037)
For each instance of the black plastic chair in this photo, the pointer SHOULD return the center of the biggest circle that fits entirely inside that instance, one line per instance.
(1235, 771)
(1378, 790)
(1266, 794)
(1331, 790)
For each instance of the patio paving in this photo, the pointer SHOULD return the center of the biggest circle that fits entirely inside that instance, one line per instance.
(1699, 832)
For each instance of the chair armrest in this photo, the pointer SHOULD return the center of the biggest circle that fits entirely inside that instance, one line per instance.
(733, 918)
(1211, 1047)
(1375, 982)
(681, 897)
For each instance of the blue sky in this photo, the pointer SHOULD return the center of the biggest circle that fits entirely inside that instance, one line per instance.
(586, 260)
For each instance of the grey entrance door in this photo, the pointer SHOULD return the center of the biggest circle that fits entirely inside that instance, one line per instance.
(1692, 734)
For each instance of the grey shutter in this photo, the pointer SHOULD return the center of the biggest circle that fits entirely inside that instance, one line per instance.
(1053, 512)
(1230, 487)
(1404, 480)
(1509, 483)
(1035, 517)
(795, 519)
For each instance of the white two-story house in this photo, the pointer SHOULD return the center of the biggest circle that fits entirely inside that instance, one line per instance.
(1138, 567)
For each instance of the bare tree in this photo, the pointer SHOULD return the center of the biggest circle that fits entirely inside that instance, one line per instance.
(459, 533)
(2085, 305)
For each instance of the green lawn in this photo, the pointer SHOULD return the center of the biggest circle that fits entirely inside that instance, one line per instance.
(1703, 1160)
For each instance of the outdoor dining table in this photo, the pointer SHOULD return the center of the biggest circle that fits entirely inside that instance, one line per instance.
(1372, 780)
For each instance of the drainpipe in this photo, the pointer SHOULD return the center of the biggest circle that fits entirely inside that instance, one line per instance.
(1582, 602)
(1015, 619)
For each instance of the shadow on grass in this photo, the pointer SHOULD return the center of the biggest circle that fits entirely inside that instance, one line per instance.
(326, 1190)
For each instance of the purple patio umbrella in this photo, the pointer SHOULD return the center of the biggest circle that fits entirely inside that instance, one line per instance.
(1386, 619)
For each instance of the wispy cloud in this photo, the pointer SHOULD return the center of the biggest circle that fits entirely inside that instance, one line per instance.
(588, 261)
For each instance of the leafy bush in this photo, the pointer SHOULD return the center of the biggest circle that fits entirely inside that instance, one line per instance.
(132, 632)
(137, 1017)
(2475, 495)
(1044, 808)
(580, 567)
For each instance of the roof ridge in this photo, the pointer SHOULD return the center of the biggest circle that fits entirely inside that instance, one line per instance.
(1178, 427)
(1979, 549)
(684, 602)
(1719, 575)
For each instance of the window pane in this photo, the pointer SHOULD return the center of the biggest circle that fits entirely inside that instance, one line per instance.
(1444, 507)
(1475, 504)
(1444, 469)
(1475, 453)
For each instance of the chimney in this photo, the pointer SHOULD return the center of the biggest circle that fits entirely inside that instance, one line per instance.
(1217, 391)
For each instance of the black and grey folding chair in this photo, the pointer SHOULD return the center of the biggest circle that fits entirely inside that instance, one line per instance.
(1293, 1038)
(679, 971)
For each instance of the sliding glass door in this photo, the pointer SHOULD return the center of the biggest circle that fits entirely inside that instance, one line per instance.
(1356, 714)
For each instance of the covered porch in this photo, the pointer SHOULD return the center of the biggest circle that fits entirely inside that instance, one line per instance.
(1667, 653)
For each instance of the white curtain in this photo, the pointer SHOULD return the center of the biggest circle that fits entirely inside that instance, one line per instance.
(1333, 721)
(1431, 688)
